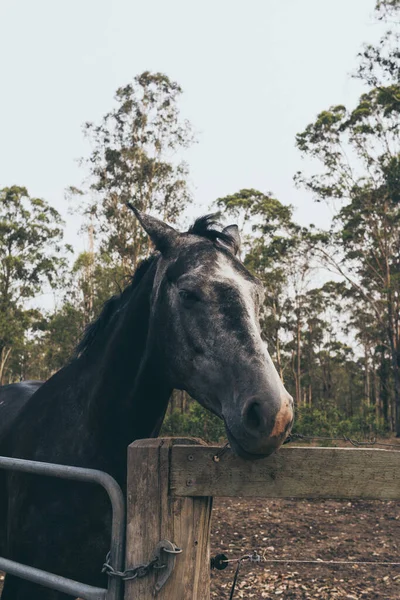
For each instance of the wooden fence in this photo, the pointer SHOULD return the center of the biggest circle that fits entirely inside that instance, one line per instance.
(171, 483)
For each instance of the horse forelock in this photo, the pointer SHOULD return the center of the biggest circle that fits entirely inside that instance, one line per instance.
(208, 227)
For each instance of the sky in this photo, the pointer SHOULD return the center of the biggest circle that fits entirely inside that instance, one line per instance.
(254, 73)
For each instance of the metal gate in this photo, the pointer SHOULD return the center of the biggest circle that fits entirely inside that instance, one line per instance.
(56, 582)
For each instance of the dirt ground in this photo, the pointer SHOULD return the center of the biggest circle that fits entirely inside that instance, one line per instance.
(308, 529)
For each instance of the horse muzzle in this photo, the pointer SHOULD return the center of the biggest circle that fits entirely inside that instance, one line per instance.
(263, 427)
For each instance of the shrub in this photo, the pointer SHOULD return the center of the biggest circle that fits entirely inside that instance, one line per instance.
(196, 422)
(330, 422)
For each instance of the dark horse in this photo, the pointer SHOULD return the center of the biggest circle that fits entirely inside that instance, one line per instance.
(187, 320)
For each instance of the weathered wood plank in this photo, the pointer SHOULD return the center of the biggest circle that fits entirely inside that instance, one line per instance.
(290, 473)
(153, 515)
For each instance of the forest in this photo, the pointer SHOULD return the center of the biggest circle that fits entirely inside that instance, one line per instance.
(332, 304)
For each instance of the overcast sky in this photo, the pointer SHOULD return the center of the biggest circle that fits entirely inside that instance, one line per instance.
(254, 73)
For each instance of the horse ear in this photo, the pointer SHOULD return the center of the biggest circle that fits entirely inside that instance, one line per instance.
(233, 232)
(162, 235)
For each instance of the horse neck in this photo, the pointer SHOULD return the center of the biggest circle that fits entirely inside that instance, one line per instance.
(129, 390)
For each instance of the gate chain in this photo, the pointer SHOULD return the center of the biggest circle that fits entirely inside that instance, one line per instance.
(142, 570)
(133, 573)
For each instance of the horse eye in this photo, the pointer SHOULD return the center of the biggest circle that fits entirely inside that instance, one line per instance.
(188, 298)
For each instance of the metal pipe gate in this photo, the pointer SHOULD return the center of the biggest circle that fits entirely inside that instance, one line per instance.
(56, 582)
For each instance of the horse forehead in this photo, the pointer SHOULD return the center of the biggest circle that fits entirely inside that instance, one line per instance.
(193, 257)
(226, 272)
(208, 265)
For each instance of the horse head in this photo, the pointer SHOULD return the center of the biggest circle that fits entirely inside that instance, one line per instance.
(205, 324)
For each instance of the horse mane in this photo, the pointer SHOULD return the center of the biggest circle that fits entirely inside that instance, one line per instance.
(204, 227)
(111, 307)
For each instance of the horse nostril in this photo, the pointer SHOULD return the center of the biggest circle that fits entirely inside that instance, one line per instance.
(254, 416)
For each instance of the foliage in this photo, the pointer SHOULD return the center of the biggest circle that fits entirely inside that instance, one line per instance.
(387, 8)
(30, 252)
(359, 151)
(315, 422)
(134, 158)
(269, 214)
(195, 422)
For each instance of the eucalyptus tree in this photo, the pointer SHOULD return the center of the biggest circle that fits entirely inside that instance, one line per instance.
(31, 255)
(136, 157)
(387, 8)
(359, 152)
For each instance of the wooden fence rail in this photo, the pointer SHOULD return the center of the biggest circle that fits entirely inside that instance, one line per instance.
(171, 483)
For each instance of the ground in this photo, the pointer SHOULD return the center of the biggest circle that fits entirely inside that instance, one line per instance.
(308, 529)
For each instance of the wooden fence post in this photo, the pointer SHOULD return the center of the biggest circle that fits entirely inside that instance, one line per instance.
(153, 515)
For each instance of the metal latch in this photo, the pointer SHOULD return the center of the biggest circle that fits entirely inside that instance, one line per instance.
(165, 554)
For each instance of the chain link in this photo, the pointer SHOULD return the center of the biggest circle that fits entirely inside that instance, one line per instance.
(138, 571)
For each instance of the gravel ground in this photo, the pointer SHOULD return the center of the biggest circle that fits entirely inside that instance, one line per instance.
(308, 529)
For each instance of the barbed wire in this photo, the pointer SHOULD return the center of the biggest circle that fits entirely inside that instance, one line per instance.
(257, 558)
(221, 561)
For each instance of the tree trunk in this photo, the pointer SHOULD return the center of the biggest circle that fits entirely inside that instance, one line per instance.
(395, 360)
(367, 383)
(295, 378)
(396, 379)
(277, 342)
(4, 356)
(310, 361)
(278, 356)
(298, 362)
(377, 400)
(350, 406)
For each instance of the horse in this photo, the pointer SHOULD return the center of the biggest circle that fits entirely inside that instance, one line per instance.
(187, 320)
(13, 398)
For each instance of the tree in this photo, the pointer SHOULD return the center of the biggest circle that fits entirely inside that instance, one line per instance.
(387, 8)
(93, 280)
(379, 65)
(30, 252)
(135, 158)
(359, 151)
